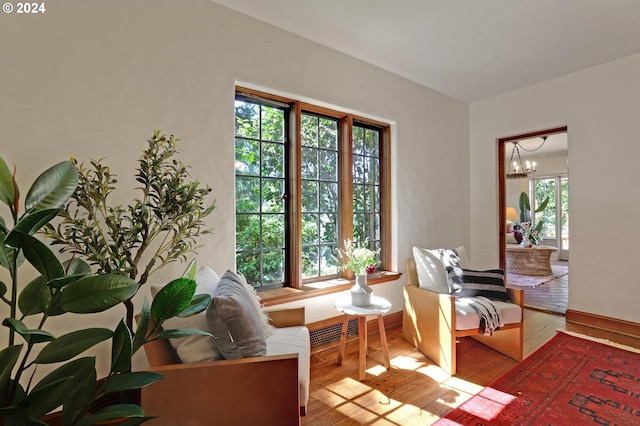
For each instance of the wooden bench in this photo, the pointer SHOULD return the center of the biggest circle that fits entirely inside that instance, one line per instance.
(250, 391)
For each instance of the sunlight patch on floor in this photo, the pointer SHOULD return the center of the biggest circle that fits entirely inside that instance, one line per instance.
(492, 402)
(365, 405)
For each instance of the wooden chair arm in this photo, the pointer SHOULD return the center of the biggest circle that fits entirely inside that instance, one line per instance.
(248, 391)
(286, 317)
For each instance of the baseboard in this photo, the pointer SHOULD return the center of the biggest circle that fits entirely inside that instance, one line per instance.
(615, 325)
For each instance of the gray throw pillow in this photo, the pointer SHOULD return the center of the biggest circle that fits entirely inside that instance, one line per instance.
(235, 321)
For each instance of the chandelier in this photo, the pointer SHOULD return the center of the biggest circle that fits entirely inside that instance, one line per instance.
(517, 169)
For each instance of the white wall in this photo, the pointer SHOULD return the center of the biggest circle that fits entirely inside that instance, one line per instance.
(601, 107)
(94, 79)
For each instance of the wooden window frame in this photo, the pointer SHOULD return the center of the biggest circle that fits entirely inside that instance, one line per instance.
(293, 273)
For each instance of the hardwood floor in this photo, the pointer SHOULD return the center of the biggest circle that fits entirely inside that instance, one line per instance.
(414, 391)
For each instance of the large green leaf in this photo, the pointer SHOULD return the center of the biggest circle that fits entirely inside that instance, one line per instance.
(76, 266)
(35, 297)
(143, 326)
(29, 224)
(33, 335)
(6, 253)
(199, 303)
(8, 358)
(7, 193)
(543, 205)
(45, 398)
(75, 393)
(58, 283)
(191, 270)
(172, 299)
(135, 380)
(97, 293)
(3, 289)
(178, 333)
(113, 412)
(69, 345)
(52, 188)
(121, 350)
(40, 256)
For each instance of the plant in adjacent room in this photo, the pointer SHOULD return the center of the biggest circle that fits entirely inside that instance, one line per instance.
(159, 227)
(525, 227)
(62, 288)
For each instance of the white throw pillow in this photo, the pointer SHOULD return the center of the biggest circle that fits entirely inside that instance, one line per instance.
(464, 258)
(432, 274)
(192, 349)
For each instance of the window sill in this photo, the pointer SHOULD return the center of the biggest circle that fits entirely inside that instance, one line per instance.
(320, 288)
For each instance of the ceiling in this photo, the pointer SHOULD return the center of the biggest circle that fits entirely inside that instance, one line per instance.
(467, 49)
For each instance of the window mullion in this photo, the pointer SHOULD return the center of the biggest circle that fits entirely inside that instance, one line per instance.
(294, 199)
(346, 183)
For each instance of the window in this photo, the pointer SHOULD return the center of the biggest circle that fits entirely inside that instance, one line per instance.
(320, 195)
(307, 178)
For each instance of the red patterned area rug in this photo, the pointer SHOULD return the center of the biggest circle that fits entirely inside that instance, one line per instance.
(568, 381)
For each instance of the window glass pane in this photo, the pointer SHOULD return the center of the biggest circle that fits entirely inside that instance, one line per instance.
(328, 197)
(373, 170)
(247, 195)
(328, 227)
(328, 134)
(309, 196)
(272, 231)
(273, 267)
(358, 169)
(328, 260)
(309, 228)
(358, 198)
(358, 140)
(272, 190)
(247, 120)
(310, 262)
(309, 163)
(272, 159)
(329, 162)
(247, 231)
(249, 266)
(372, 142)
(309, 130)
(272, 124)
(247, 157)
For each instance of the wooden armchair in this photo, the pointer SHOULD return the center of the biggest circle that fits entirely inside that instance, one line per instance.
(249, 391)
(429, 323)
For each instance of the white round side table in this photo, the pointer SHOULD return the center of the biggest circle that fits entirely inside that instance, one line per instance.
(378, 308)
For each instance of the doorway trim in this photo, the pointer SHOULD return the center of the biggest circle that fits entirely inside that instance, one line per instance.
(502, 178)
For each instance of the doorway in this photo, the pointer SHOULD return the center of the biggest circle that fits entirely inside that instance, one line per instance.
(540, 173)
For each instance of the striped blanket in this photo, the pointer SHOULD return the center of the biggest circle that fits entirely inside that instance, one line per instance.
(490, 318)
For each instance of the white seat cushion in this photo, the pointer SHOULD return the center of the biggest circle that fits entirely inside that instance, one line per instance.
(468, 319)
(288, 340)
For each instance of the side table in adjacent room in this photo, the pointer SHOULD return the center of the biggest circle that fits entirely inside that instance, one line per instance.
(378, 308)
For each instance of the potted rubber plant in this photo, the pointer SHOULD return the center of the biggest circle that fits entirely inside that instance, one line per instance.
(66, 288)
